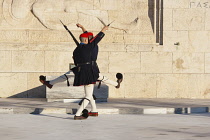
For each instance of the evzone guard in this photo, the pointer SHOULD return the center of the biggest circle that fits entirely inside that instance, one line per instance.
(86, 71)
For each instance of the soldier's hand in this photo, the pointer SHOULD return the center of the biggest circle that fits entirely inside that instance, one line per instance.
(79, 25)
(105, 28)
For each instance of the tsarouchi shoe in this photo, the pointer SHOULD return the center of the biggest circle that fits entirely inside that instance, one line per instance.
(93, 114)
(119, 77)
(79, 118)
(42, 79)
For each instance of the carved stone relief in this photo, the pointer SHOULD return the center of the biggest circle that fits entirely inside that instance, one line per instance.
(130, 16)
(17, 12)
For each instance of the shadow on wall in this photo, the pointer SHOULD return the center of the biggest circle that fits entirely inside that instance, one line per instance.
(156, 18)
(151, 12)
(37, 92)
(155, 14)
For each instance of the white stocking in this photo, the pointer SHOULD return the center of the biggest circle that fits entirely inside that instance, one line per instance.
(107, 80)
(61, 78)
(89, 95)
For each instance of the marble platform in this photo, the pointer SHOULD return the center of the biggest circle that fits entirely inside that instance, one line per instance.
(64, 93)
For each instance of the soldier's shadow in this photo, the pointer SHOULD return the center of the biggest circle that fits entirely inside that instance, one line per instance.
(71, 116)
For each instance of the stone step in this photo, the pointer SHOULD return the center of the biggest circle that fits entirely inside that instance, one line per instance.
(74, 100)
(150, 111)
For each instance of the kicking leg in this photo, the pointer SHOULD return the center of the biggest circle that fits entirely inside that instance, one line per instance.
(59, 79)
(106, 80)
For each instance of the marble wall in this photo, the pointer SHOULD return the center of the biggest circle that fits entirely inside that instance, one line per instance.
(34, 42)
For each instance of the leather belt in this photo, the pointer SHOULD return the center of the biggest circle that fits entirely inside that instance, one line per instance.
(92, 62)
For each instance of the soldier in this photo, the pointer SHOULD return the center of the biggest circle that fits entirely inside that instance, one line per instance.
(86, 71)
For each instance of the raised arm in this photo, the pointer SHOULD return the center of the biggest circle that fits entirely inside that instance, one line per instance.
(99, 36)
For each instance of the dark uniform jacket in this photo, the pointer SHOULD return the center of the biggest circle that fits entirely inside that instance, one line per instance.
(86, 70)
(94, 51)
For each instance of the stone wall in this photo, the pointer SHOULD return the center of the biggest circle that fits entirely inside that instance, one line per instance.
(33, 42)
(186, 37)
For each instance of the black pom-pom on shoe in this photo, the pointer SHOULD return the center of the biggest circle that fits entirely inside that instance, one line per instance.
(119, 77)
(43, 78)
(85, 113)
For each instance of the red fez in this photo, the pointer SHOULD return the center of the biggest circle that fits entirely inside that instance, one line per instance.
(85, 35)
(90, 34)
